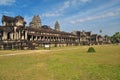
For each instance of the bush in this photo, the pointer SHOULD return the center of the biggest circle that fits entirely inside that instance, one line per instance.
(91, 49)
(13, 49)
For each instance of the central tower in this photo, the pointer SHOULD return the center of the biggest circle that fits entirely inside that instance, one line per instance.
(36, 22)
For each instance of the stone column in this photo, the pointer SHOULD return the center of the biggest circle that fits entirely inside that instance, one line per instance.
(36, 38)
(25, 35)
(43, 38)
(32, 37)
(50, 38)
(14, 36)
(4, 36)
(39, 37)
(22, 37)
(11, 36)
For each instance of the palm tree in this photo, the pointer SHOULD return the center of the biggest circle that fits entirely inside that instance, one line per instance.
(100, 31)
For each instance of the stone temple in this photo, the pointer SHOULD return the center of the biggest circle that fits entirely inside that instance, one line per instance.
(14, 34)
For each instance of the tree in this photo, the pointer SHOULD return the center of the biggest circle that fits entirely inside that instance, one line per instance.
(115, 38)
(100, 31)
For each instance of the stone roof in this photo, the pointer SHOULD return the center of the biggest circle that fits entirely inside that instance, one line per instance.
(47, 29)
(11, 19)
(7, 18)
(19, 17)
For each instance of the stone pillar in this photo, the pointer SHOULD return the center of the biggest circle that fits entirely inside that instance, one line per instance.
(43, 38)
(22, 37)
(31, 37)
(25, 35)
(39, 37)
(60, 39)
(50, 38)
(36, 38)
(14, 36)
(11, 36)
(4, 36)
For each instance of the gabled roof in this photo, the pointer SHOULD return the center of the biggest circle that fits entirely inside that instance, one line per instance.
(46, 27)
(19, 17)
(7, 18)
(10, 19)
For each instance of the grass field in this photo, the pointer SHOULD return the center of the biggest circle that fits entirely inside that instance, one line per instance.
(65, 63)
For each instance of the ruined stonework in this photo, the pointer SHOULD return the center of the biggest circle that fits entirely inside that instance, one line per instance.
(87, 38)
(13, 21)
(57, 26)
(36, 22)
(15, 35)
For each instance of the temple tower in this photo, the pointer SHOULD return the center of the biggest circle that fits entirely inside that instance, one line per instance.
(36, 22)
(57, 26)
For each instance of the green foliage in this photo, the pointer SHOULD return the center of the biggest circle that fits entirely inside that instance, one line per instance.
(100, 31)
(13, 49)
(115, 38)
(91, 49)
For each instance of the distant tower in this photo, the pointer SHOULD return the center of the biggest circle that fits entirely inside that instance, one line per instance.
(36, 22)
(57, 26)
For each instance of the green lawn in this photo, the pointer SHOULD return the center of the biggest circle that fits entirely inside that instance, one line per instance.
(65, 63)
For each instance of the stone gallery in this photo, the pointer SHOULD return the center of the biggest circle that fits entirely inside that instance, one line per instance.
(14, 34)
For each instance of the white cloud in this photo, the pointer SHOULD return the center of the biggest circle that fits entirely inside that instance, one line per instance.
(65, 6)
(5, 13)
(59, 10)
(51, 14)
(105, 15)
(105, 11)
(79, 2)
(7, 2)
(28, 19)
(84, 0)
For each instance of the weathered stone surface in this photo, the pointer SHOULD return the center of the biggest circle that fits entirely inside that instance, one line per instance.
(36, 22)
(57, 26)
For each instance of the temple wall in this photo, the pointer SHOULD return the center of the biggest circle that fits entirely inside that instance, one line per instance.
(4, 23)
(19, 24)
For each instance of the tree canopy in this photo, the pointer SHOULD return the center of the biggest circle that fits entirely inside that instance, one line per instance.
(115, 38)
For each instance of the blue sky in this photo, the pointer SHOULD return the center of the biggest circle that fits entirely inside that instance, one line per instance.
(87, 15)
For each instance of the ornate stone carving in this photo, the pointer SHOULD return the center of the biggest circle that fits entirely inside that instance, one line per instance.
(36, 22)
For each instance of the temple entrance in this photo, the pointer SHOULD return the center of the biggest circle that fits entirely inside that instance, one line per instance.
(8, 35)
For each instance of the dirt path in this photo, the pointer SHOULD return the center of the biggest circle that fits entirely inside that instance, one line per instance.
(34, 51)
(26, 52)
